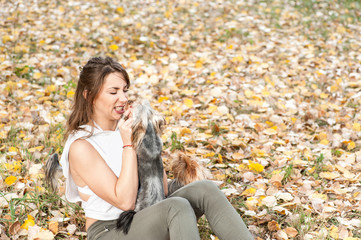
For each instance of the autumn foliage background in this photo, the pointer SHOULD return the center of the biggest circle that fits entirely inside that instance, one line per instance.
(265, 93)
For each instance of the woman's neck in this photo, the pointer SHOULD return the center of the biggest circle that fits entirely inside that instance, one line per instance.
(104, 125)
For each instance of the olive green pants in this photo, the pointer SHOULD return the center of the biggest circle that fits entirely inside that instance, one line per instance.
(175, 217)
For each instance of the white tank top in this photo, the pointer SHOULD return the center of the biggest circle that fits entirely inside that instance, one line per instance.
(109, 146)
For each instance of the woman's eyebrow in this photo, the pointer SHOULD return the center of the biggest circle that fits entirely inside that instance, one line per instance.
(114, 88)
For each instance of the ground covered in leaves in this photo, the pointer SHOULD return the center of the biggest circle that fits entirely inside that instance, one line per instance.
(265, 93)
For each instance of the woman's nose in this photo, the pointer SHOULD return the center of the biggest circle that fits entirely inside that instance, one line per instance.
(123, 98)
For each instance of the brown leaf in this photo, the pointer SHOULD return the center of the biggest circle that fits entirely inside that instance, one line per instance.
(273, 226)
(276, 180)
(14, 228)
(54, 226)
(291, 232)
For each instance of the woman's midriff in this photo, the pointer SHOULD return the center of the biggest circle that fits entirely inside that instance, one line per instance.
(88, 222)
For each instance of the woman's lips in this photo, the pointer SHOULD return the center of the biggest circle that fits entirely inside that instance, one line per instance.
(120, 110)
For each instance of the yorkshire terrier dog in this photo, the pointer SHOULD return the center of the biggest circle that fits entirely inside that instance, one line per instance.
(146, 132)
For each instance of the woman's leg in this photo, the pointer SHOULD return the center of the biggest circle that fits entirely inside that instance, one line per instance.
(169, 219)
(205, 196)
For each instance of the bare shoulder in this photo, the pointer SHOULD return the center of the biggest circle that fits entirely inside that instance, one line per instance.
(81, 150)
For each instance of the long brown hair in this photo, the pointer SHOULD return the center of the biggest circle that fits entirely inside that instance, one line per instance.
(90, 82)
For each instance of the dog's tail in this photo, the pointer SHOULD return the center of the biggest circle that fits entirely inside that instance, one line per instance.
(52, 171)
(186, 170)
(125, 220)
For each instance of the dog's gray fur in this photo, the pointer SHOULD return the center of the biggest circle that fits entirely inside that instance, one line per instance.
(146, 131)
(150, 164)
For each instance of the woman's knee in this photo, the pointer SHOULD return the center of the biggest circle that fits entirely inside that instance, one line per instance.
(205, 186)
(179, 203)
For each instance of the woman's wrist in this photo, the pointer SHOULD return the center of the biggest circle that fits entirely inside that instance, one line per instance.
(127, 146)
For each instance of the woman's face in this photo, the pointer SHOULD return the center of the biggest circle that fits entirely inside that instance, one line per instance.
(111, 100)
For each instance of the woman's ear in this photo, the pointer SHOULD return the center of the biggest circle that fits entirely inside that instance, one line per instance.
(85, 94)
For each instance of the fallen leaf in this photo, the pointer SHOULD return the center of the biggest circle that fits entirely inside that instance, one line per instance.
(273, 226)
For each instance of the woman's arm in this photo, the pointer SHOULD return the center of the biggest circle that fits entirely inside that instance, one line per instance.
(87, 163)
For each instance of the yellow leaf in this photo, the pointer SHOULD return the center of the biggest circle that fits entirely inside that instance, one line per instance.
(13, 149)
(249, 192)
(38, 148)
(188, 102)
(255, 167)
(324, 95)
(17, 166)
(269, 123)
(38, 75)
(28, 223)
(324, 142)
(251, 203)
(185, 131)
(322, 136)
(113, 47)
(311, 170)
(10, 180)
(319, 73)
(70, 94)
(241, 167)
(237, 59)
(334, 232)
(6, 38)
(161, 99)
(40, 189)
(210, 154)
(230, 117)
(168, 14)
(265, 93)
(351, 145)
(334, 88)
(50, 88)
(268, 80)
(212, 108)
(220, 158)
(164, 138)
(199, 64)
(120, 10)
(356, 127)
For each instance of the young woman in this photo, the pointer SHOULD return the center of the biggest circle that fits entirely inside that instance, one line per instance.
(100, 165)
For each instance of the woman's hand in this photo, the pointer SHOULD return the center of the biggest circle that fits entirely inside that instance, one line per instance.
(125, 126)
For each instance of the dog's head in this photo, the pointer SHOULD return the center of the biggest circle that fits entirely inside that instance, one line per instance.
(144, 114)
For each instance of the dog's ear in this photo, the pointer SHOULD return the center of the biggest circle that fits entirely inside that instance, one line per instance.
(158, 123)
(138, 127)
(138, 132)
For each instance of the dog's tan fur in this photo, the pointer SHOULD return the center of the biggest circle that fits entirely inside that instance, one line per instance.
(140, 124)
(187, 170)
